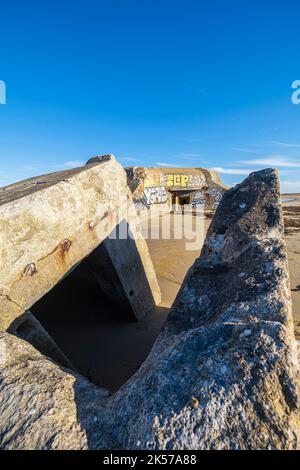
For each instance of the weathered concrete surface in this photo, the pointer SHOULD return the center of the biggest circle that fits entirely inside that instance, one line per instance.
(42, 406)
(124, 260)
(49, 223)
(99, 159)
(34, 333)
(223, 374)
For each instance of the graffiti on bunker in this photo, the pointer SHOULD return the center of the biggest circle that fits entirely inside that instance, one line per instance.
(152, 195)
(216, 197)
(198, 199)
(182, 181)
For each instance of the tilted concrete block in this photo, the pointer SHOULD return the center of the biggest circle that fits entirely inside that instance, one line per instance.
(50, 223)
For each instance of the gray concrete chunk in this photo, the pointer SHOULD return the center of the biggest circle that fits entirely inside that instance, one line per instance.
(50, 223)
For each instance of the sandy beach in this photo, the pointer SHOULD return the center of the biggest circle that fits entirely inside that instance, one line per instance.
(172, 261)
(291, 212)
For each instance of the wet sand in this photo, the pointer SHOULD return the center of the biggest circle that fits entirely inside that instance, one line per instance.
(290, 199)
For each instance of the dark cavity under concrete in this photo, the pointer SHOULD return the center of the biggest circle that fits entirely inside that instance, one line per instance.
(102, 340)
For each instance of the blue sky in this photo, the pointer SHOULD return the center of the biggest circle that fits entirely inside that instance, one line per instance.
(179, 83)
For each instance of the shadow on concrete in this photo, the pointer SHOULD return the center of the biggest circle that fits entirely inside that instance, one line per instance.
(100, 337)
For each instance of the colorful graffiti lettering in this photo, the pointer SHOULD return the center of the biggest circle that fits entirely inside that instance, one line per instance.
(198, 199)
(183, 181)
(153, 195)
(216, 197)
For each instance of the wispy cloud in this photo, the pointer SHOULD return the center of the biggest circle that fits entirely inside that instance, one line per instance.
(232, 171)
(190, 155)
(40, 167)
(250, 147)
(73, 163)
(172, 165)
(284, 144)
(244, 149)
(273, 160)
(131, 159)
(270, 144)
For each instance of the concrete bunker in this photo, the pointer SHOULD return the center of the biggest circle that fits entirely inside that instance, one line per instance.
(58, 228)
(167, 189)
(222, 375)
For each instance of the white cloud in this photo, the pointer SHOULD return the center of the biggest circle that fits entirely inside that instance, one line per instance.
(35, 169)
(167, 164)
(40, 167)
(190, 155)
(255, 148)
(131, 159)
(232, 171)
(273, 160)
(245, 149)
(260, 145)
(284, 144)
(290, 186)
(21, 173)
(73, 163)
